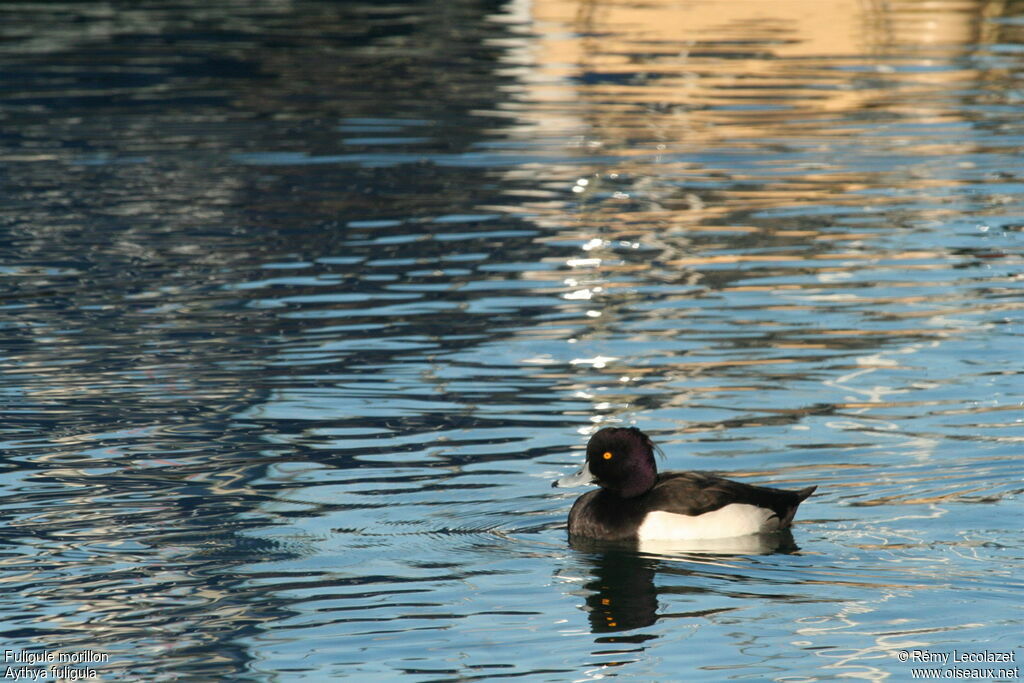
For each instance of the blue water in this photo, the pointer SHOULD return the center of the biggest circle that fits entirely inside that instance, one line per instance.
(304, 305)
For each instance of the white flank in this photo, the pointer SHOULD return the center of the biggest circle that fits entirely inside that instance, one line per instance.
(751, 544)
(737, 519)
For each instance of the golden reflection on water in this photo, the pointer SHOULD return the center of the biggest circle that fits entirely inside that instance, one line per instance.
(633, 80)
(729, 67)
(690, 58)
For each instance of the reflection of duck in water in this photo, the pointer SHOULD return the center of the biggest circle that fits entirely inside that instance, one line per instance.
(623, 594)
(635, 503)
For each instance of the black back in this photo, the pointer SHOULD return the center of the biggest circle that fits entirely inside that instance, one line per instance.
(694, 493)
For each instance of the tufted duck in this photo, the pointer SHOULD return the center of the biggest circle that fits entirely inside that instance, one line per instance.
(636, 503)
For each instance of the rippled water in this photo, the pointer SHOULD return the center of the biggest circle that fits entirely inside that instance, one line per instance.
(305, 305)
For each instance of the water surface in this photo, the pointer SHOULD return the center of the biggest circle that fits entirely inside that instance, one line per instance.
(305, 305)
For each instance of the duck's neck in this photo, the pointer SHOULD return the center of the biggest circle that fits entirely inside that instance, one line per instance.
(639, 482)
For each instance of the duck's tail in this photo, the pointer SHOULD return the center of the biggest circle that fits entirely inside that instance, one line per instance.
(804, 494)
(801, 495)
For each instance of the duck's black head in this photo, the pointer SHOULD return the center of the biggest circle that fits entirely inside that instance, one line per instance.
(619, 459)
(622, 460)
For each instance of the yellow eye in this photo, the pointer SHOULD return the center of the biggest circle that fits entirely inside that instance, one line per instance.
(607, 455)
